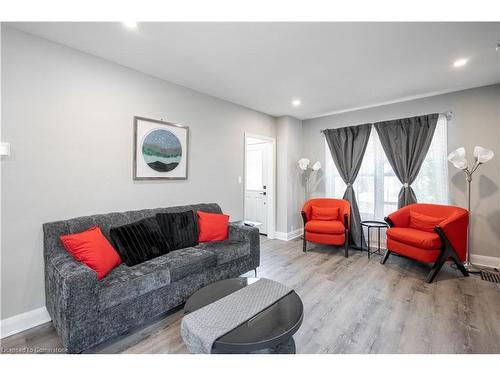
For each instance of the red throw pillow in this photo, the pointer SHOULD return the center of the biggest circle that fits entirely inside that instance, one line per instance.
(324, 213)
(93, 249)
(212, 227)
(423, 222)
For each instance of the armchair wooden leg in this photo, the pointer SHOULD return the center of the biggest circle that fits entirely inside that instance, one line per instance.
(448, 252)
(435, 269)
(346, 245)
(438, 265)
(304, 243)
(441, 261)
(459, 264)
(385, 257)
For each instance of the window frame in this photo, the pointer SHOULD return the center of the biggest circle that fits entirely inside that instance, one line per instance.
(379, 175)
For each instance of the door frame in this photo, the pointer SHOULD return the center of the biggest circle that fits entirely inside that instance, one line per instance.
(271, 178)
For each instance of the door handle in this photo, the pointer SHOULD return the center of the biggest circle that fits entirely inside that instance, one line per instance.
(263, 193)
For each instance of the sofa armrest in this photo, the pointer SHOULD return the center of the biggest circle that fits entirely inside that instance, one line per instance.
(400, 218)
(240, 232)
(304, 218)
(389, 222)
(453, 219)
(455, 230)
(71, 293)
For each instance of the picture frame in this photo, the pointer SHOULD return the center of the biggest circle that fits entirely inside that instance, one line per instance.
(161, 150)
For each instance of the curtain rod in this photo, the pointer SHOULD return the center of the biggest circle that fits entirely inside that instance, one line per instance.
(447, 114)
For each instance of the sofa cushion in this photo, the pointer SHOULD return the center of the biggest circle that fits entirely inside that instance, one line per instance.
(326, 238)
(414, 252)
(93, 249)
(324, 213)
(185, 262)
(212, 227)
(139, 241)
(179, 228)
(138, 215)
(325, 227)
(126, 283)
(81, 224)
(113, 219)
(226, 251)
(424, 222)
(415, 237)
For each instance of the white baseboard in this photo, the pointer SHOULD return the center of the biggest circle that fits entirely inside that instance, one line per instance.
(24, 321)
(290, 235)
(280, 236)
(485, 261)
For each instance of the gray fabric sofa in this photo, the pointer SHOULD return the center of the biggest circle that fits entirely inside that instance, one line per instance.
(86, 311)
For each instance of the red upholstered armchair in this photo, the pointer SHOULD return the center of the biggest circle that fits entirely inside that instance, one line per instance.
(429, 233)
(327, 221)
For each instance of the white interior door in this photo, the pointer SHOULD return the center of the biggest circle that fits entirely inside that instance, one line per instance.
(256, 184)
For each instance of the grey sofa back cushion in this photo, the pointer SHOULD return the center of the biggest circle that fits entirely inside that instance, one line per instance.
(53, 230)
(134, 216)
(111, 220)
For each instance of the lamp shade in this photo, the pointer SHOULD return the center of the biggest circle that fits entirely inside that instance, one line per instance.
(482, 154)
(304, 163)
(457, 158)
(316, 166)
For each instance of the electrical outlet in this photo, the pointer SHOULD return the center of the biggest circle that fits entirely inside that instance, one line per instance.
(5, 149)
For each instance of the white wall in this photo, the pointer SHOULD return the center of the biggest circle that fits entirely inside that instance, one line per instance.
(476, 121)
(69, 117)
(290, 189)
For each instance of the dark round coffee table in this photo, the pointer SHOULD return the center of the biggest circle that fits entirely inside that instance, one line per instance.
(270, 331)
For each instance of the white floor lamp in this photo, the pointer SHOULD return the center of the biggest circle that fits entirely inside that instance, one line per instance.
(458, 159)
(307, 170)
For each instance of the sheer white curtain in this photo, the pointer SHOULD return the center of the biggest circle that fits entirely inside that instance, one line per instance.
(377, 186)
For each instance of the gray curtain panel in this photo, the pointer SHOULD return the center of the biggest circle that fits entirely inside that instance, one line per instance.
(405, 143)
(348, 146)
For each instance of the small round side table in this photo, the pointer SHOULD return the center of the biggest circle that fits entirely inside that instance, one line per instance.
(372, 224)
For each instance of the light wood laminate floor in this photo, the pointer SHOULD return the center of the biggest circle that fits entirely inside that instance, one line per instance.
(353, 305)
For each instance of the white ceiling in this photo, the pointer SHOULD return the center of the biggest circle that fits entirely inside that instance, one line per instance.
(330, 66)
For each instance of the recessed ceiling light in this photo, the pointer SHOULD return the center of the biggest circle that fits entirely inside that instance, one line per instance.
(130, 25)
(459, 63)
(296, 102)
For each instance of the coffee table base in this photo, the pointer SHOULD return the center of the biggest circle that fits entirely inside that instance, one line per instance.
(286, 347)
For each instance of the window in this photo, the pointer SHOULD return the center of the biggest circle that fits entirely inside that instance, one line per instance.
(377, 187)
(254, 169)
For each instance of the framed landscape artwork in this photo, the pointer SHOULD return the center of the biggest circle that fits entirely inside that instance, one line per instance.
(161, 150)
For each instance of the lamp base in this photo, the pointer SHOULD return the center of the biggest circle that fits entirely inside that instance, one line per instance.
(471, 268)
